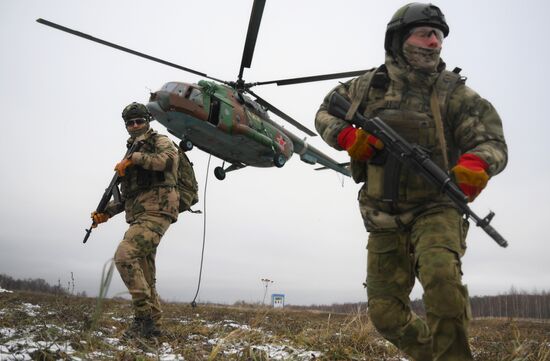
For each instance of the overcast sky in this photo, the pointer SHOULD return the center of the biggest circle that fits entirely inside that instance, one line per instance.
(62, 134)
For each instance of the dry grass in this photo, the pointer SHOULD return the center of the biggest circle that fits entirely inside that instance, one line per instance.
(46, 327)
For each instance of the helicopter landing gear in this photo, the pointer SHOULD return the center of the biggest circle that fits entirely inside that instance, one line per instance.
(186, 145)
(279, 160)
(219, 172)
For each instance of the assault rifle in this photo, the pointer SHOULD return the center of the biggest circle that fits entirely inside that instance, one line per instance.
(111, 190)
(415, 157)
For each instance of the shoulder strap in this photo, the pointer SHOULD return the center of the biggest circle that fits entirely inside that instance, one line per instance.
(363, 87)
(443, 87)
(436, 111)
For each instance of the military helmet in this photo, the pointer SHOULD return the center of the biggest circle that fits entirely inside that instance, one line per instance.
(135, 110)
(409, 16)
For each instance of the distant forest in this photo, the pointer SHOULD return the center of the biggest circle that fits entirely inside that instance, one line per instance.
(514, 304)
(37, 285)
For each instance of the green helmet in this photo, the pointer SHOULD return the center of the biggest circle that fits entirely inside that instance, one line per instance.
(409, 16)
(136, 110)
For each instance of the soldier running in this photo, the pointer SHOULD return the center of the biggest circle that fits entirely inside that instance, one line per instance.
(414, 230)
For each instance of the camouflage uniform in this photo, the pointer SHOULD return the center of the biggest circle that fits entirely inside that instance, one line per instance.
(151, 205)
(417, 232)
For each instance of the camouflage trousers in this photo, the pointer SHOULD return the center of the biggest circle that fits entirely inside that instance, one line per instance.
(135, 261)
(430, 250)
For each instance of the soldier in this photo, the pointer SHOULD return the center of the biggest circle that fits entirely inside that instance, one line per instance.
(150, 200)
(414, 230)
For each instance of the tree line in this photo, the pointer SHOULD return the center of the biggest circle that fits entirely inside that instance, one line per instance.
(514, 304)
(38, 285)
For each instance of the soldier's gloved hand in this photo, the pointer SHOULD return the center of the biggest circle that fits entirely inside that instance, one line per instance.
(98, 218)
(359, 144)
(122, 165)
(470, 175)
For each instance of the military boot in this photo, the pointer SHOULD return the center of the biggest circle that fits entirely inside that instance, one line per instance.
(149, 328)
(134, 330)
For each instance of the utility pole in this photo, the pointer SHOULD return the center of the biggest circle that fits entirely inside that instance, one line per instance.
(266, 283)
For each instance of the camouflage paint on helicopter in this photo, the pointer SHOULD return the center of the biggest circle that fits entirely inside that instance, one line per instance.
(191, 111)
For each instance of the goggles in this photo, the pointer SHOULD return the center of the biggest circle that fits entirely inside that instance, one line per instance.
(425, 32)
(138, 121)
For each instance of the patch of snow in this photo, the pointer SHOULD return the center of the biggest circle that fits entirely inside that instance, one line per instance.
(111, 341)
(195, 337)
(30, 309)
(96, 355)
(214, 341)
(166, 353)
(233, 324)
(283, 352)
(22, 348)
(62, 331)
(5, 291)
(7, 332)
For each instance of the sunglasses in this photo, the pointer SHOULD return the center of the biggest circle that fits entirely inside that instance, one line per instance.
(426, 32)
(138, 121)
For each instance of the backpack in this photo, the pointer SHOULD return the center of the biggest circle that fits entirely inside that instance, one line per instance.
(187, 186)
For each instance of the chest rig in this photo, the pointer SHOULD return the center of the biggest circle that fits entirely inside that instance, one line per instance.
(419, 115)
(138, 179)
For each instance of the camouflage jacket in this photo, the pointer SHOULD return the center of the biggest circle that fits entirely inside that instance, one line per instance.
(149, 185)
(402, 99)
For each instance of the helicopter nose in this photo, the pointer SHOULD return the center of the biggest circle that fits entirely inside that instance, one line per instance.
(162, 98)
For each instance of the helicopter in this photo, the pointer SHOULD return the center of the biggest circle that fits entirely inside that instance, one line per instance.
(219, 117)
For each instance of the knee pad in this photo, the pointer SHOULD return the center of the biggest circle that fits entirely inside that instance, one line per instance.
(127, 270)
(389, 315)
(439, 273)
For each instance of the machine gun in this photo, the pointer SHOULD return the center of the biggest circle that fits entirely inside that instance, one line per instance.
(415, 157)
(111, 190)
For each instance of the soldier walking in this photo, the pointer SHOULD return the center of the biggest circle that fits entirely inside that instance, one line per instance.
(150, 201)
(414, 230)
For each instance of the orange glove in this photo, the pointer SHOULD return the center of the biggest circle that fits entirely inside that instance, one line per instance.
(470, 175)
(98, 218)
(359, 144)
(121, 167)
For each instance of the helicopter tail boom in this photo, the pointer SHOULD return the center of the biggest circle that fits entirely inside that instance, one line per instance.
(311, 155)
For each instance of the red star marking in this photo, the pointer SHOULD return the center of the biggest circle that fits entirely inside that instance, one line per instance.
(279, 138)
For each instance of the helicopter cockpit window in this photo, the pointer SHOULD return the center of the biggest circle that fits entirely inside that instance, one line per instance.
(196, 96)
(169, 86)
(180, 90)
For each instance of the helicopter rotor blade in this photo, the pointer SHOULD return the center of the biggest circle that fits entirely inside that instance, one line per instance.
(252, 35)
(121, 48)
(308, 79)
(278, 112)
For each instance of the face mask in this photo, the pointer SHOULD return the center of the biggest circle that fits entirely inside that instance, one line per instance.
(423, 59)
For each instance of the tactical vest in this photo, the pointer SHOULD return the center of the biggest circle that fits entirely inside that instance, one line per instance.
(138, 179)
(410, 112)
